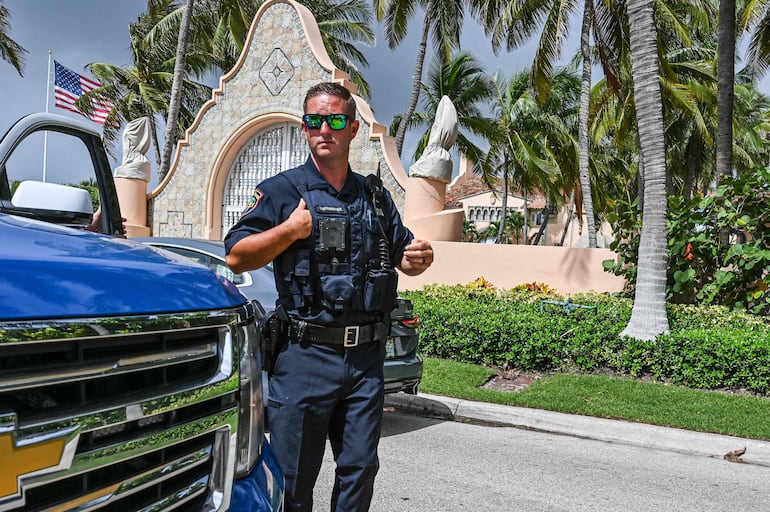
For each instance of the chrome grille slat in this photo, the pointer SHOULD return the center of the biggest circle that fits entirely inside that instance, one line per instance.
(181, 498)
(105, 368)
(13, 333)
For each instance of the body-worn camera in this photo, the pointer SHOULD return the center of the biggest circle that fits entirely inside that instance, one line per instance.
(331, 234)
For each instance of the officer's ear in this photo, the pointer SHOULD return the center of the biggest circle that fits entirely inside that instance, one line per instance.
(354, 126)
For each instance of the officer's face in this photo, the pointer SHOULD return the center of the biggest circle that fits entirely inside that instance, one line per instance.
(327, 145)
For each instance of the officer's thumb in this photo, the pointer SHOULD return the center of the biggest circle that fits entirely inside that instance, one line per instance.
(302, 214)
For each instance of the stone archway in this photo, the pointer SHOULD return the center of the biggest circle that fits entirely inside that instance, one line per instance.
(283, 56)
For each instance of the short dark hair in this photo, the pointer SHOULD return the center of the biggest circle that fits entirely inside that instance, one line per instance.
(332, 89)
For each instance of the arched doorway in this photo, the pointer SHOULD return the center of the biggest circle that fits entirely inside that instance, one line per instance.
(279, 147)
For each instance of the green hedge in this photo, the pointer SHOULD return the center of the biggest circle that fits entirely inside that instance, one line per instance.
(707, 348)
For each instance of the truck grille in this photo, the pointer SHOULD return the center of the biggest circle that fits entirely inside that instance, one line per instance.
(191, 462)
(146, 408)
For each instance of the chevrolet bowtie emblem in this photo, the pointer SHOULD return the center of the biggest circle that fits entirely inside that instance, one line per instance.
(29, 456)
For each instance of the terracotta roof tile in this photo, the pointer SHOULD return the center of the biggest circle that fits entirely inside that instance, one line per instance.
(467, 187)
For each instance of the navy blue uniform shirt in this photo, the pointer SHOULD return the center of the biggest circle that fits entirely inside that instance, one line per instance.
(276, 198)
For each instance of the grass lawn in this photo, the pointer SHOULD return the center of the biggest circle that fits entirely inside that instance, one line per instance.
(610, 397)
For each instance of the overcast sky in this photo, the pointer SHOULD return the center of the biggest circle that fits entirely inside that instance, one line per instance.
(83, 31)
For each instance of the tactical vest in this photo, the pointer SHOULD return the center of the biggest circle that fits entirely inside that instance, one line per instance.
(343, 268)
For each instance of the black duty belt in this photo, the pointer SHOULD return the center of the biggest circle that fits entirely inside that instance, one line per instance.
(348, 336)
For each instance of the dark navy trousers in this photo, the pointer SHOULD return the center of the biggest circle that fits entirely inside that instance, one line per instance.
(321, 390)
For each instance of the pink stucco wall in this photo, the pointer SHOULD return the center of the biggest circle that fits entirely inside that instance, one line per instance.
(568, 270)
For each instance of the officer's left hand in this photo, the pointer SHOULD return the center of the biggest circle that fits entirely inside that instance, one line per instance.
(418, 256)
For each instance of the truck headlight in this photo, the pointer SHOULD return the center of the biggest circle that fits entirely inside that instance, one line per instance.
(251, 427)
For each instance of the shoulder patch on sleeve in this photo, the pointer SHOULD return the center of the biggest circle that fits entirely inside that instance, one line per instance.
(253, 201)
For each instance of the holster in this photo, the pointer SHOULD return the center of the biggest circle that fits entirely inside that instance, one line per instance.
(275, 326)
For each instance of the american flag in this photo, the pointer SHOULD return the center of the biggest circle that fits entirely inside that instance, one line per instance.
(69, 86)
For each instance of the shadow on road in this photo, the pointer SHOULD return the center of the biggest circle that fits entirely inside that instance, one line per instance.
(410, 413)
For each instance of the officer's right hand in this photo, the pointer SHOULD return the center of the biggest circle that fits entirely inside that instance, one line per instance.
(302, 221)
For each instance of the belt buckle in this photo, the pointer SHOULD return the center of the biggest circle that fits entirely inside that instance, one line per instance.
(351, 336)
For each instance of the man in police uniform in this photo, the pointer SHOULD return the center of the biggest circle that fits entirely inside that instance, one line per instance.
(334, 238)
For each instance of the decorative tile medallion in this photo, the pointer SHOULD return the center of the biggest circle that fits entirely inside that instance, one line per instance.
(276, 71)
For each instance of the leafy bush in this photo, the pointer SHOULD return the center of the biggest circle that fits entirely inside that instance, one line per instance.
(718, 245)
(708, 347)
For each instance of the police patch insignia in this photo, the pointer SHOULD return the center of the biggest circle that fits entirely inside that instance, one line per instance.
(253, 201)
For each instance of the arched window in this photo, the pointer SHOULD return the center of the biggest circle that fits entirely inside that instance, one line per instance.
(279, 147)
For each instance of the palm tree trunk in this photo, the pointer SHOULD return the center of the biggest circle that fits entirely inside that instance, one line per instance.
(504, 203)
(543, 225)
(176, 92)
(154, 137)
(585, 98)
(568, 221)
(416, 82)
(526, 219)
(648, 316)
(693, 151)
(725, 88)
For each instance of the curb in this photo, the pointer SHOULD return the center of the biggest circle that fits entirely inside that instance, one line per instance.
(586, 427)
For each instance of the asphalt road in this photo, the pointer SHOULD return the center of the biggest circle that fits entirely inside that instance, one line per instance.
(430, 464)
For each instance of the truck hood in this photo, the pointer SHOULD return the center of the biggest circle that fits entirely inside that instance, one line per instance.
(49, 271)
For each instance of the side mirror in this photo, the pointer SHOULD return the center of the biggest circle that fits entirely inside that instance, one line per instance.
(52, 202)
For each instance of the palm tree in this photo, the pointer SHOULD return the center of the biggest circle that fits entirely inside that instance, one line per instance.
(585, 99)
(690, 105)
(688, 89)
(513, 23)
(648, 316)
(506, 231)
(463, 80)
(751, 148)
(221, 27)
(754, 18)
(726, 81)
(177, 83)
(442, 21)
(344, 25)
(10, 51)
(513, 228)
(144, 89)
(520, 150)
(470, 234)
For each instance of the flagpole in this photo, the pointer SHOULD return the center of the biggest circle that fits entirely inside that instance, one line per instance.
(47, 101)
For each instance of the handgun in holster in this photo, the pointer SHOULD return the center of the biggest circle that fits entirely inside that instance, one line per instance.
(275, 326)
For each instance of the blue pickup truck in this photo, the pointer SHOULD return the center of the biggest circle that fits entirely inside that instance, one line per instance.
(129, 379)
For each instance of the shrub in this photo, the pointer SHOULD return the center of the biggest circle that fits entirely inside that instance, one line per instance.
(708, 347)
(718, 245)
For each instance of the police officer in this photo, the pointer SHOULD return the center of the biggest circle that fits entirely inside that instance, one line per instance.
(334, 238)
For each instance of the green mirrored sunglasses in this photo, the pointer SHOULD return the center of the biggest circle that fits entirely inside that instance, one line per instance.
(335, 121)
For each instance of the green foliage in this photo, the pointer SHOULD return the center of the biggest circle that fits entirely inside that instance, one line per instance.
(92, 188)
(709, 347)
(626, 224)
(718, 245)
(512, 232)
(470, 233)
(716, 358)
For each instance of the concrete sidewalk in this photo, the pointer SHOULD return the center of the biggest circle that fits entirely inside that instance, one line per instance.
(600, 429)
